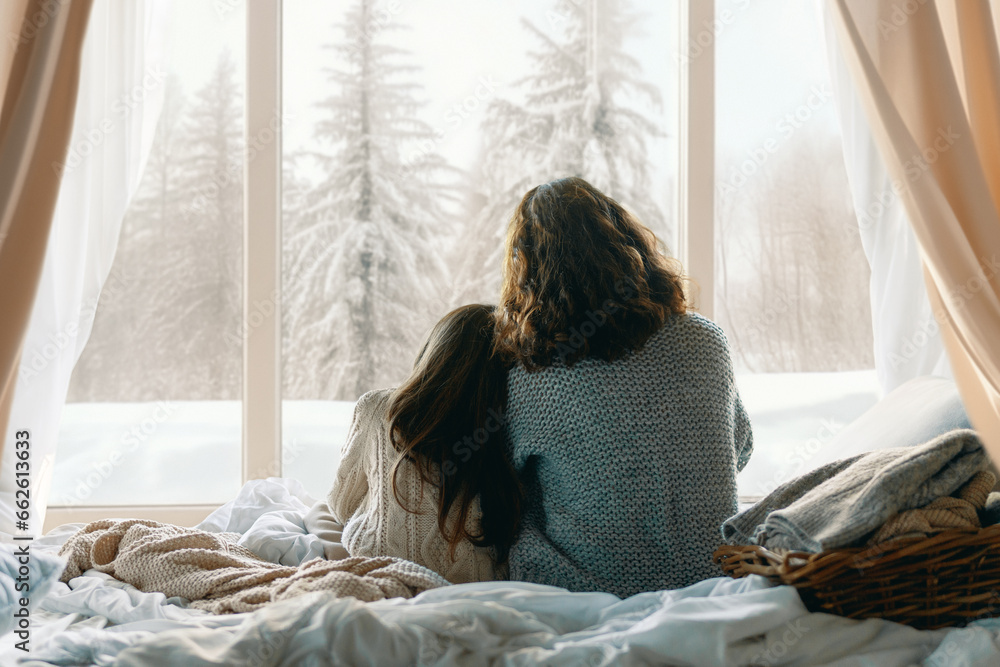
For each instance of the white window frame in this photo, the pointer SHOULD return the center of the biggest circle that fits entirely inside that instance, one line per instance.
(261, 423)
(262, 244)
(696, 148)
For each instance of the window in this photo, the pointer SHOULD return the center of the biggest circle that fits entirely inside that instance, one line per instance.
(394, 140)
(791, 282)
(154, 406)
(405, 152)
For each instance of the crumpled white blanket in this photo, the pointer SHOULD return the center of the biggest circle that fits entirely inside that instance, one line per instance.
(24, 573)
(269, 514)
(719, 622)
(716, 622)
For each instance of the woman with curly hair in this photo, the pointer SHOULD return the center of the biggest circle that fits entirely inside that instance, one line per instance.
(624, 422)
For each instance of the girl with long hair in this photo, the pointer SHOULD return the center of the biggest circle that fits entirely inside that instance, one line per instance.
(425, 475)
(624, 422)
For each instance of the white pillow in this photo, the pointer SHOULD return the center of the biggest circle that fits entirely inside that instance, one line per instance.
(913, 413)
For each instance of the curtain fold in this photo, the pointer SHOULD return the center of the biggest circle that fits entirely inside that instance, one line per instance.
(39, 75)
(11, 16)
(122, 82)
(927, 73)
(907, 338)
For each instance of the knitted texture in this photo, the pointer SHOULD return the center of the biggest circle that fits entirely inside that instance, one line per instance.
(629, 466)
(222, 577)
(956, 512)
(842, 503)
(375, 524)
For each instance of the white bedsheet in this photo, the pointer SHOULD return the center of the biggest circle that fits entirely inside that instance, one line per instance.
(24, 575)
(269, 514)
(96, 620)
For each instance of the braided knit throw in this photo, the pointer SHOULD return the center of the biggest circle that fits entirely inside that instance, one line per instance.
(220, 576)
(959, 511)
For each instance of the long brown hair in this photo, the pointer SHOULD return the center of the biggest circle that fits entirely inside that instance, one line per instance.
(582, 277)
(447, 418)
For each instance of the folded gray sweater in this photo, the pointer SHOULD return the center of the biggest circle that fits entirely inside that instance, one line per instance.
(842, 503)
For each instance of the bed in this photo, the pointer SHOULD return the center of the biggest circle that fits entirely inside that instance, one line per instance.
(98, 620)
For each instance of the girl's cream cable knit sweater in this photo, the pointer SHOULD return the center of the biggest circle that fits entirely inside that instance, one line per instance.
(373, 523)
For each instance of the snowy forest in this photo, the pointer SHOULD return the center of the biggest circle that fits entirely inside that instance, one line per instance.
(382, 235)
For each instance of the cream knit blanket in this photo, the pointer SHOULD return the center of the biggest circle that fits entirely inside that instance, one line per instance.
(220, 576)
(956, 512)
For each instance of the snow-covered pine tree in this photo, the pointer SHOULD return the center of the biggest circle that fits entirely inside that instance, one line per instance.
(366, 277)
(579, 117)
(125, 315)
(199, 289)
(177, 314)
(158, 198)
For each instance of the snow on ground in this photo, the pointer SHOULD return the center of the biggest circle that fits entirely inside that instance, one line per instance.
(795, 416)
(184, 452)
(314, 432)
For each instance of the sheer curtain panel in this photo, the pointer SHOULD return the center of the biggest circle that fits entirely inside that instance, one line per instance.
(907, 338)
(39, 75)
(927, 73)
(122, 80)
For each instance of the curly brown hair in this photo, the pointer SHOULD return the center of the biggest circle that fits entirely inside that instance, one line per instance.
(582, 277)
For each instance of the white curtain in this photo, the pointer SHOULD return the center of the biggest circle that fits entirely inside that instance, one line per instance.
(928, 77)
(121, 92)
(907, 337)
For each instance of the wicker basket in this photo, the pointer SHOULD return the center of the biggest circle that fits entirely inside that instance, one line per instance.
(948, 579)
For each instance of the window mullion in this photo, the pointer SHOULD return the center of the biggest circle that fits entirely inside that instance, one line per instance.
(696, 147)
(262, 243)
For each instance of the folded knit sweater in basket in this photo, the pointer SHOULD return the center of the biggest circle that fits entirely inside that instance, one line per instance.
(842, 503)
(960, 511)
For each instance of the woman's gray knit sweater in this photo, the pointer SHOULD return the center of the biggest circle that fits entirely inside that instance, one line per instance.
(629, 466)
